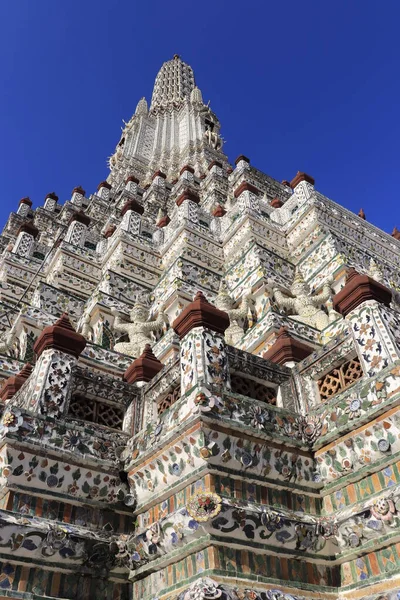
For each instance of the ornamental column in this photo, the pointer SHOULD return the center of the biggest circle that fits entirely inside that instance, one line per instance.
(187, 204)
(50, 201)
(103, 190)
(25, 241)
(78, 194)
(131, 214)
(365, 303)
(76, 232)
(57, 349)
(201, 327)
(141, 371)
(24, 207)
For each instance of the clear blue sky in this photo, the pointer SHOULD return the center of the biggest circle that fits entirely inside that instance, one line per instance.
(311, 86)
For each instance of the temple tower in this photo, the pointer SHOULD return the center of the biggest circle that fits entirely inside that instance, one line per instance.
(200, 380)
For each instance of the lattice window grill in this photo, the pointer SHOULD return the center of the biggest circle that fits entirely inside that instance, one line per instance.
(339, 378)
(252, 389)
(166, 401)
(108, 415)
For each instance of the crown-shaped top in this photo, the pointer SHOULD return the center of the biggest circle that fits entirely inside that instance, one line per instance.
(174, 83)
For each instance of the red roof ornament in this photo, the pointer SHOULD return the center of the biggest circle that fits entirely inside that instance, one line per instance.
(143, 368)
(358, 289)
(80, 217)
(26, 201)
(12, 384)
(60, 336)
(396, 233)
(287, 349)
(201, 313)
(301, 177)
(30, 228)
(132, 205)
(78, 190)
(187, 195)
(276, 203)
(104, 184)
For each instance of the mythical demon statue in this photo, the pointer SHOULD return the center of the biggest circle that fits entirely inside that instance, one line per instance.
(7, 340)
(138, 329)
(225, 302)
(305, 307)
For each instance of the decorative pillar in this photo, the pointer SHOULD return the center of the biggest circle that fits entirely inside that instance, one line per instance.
(57, 349)
(215, 168)
(162, 221)
(289, 351)
(25, 241)
(365, 303)
(187, 204)
(303, 185)
(24, 206)
(50, 201)
(247, 198)
(158, 179)
(11, 385)
(242, 162)
(215, 225)
(103, 190)
(142, 370)
(187, 173)
(76, 232)
(131, 184)
(131, 214)
(78, 194)
(201, 327)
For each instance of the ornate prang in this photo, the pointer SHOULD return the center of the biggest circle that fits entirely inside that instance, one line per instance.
(137, 463)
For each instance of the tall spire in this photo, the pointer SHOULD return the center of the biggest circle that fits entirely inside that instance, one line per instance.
(173, 84)
(179, 129)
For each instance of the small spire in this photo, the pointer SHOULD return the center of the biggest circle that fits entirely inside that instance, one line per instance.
(196, 96)
(142, 107)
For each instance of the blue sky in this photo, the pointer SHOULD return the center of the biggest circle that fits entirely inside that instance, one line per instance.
(310, 86)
